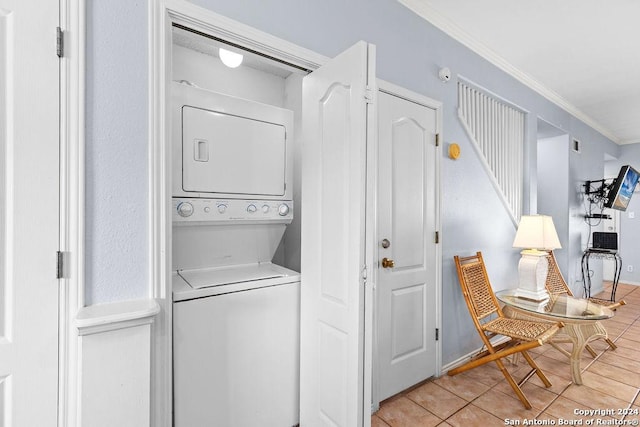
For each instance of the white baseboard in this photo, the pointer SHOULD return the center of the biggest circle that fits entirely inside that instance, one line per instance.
(463, 359)
(629, 282)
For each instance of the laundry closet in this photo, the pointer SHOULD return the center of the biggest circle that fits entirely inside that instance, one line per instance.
(235, 236)
(254, 341)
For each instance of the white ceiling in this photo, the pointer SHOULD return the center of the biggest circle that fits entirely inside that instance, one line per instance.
(584, 55)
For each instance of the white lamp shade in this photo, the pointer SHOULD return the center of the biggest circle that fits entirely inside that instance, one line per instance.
(536, 232)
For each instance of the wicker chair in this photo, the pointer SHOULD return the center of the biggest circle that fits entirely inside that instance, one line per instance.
(556, 285)
(489, 320)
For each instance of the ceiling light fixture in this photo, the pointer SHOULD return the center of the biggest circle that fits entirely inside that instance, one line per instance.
(230, 59)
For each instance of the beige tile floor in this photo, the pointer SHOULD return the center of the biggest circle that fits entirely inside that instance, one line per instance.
(482, 397)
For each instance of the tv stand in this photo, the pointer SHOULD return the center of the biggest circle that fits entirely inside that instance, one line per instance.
(600, 254)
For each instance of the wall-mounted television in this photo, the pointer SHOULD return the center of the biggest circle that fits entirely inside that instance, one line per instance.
(622, 188)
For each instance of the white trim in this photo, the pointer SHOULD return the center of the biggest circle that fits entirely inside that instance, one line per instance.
(161, 15)
(464, 359)
(72, 133)
(369, 341)
(206, 21)
(438, 210)
(409, 95)
(113, 316)
(628, 282)
(428, 13)
(159, 231)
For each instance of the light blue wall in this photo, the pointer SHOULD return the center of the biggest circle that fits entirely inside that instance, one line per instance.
(586, 165)
(629, 228)
(553, 189)
(116, 151)
(409, 53)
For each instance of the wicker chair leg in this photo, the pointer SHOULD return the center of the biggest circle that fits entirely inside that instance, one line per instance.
(539, 372)
(513, 384)
(611, 344)
(591, 351)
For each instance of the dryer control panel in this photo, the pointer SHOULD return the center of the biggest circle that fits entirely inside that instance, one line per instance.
(189, 210)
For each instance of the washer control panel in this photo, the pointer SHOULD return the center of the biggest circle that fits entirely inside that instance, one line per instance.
(231, 210)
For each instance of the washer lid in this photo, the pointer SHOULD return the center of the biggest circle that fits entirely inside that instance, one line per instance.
(207, 277)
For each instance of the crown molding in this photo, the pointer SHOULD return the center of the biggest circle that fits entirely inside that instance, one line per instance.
(428, 13)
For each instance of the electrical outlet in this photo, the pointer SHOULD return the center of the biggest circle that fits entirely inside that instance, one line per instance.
(632, 215)
(630, 268)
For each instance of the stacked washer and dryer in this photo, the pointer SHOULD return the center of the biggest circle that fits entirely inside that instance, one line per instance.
(235, 313)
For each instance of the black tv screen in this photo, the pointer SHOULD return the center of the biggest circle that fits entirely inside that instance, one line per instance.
(622, 190)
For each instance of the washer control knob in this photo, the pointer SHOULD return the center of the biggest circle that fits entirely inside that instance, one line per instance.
(185, 209)
(265, 208)
(283, 209)
(251, 208)
(222, 208)
(207, 209)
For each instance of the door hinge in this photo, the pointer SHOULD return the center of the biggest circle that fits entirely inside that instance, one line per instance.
(368, 95)
(364, 273)
(437, 139)
(437, 239)
(437, 334)
(59, 265)
(59, 42)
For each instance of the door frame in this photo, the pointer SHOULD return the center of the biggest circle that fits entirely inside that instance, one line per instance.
(72, 20)
(401, 92)
(161, 16)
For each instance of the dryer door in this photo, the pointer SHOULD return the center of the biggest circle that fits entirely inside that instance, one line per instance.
(229, 154)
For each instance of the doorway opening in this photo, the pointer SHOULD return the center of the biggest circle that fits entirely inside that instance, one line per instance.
(235, 118)
(553, 148)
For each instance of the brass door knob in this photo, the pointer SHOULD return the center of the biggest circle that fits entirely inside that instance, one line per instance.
(387, 263)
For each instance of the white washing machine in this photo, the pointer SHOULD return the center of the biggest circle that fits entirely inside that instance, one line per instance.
(236, 348)
(236, 315)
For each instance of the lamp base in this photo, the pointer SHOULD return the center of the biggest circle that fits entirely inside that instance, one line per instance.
(532, 272)
(531, 295)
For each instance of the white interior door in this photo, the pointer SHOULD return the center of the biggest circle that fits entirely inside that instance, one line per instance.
(336, 105)
(406, 288)
(29, 176)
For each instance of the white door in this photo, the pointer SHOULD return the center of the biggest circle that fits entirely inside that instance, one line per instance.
(406, 288)
(29, 137)
(336, 114)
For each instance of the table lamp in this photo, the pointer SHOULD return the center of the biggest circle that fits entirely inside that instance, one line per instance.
(535, 235)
